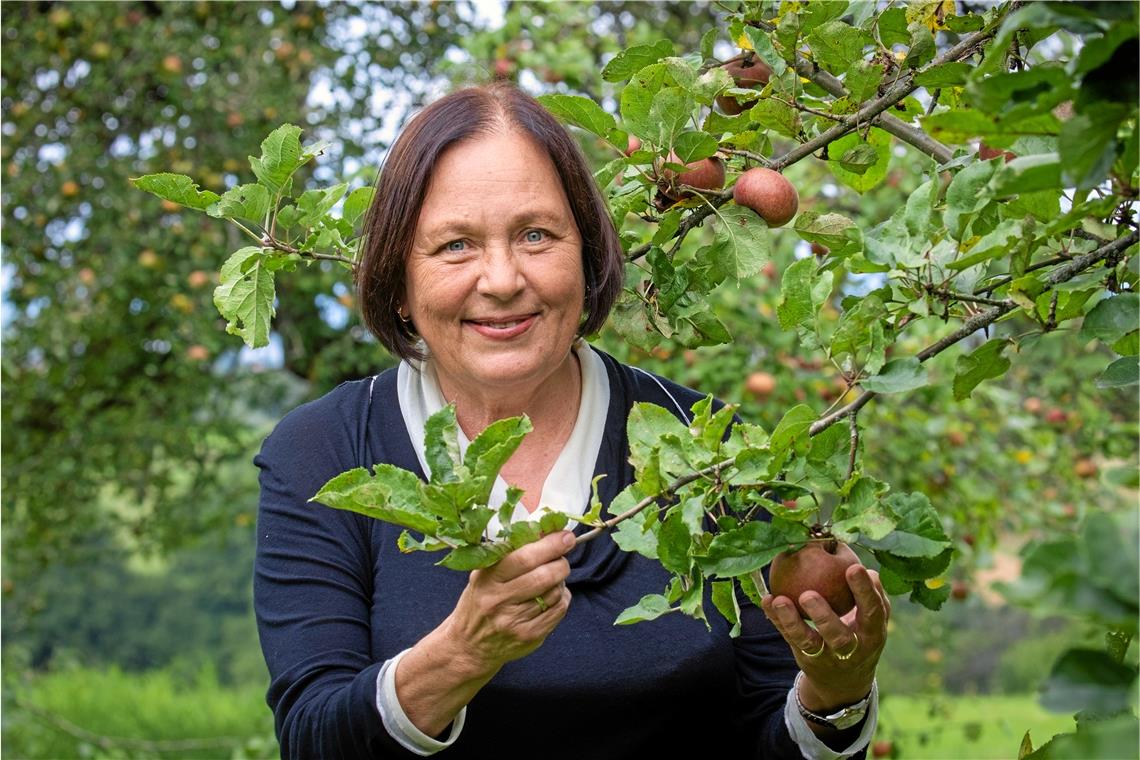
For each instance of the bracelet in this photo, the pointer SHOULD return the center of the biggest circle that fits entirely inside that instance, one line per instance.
(841, 719)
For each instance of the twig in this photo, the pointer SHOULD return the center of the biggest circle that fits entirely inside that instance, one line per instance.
(853, 417)
(272, 242)
(889, 123)
(951, 295)
(1005, 280)
(762, 160)
(648, 500)
(986, 318)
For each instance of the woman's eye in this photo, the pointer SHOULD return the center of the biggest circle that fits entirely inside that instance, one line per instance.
(456, 246)
(535, 236)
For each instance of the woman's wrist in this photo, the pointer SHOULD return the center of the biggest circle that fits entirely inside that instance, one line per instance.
(436, 679)
(830, 699)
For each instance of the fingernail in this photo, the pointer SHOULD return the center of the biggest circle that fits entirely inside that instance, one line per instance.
(567, 539)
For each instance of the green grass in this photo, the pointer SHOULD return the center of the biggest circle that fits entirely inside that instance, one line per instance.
(965, 728)
(89, 713)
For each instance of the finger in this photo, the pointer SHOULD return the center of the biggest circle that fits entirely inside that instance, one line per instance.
(871, 611)
(538, 581)
(882, 591)
(526, 558)
(786, 618)
(542, 603)
(838, 636)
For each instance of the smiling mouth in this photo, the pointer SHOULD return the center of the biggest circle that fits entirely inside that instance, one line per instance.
(506, 327)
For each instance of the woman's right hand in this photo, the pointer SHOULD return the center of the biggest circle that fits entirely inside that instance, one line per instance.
(497, 618)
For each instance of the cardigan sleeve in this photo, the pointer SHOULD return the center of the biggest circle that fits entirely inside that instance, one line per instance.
(312, 593)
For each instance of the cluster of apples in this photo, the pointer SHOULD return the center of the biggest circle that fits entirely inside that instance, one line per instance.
(764, 191)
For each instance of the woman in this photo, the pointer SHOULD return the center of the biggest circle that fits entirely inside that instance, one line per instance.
(489, 253)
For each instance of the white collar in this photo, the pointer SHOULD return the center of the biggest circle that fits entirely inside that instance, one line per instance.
(567, 487)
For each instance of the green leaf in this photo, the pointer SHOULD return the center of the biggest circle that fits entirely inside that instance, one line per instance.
(670, 111)
(1110, 737)
(1112, 318)
(632, 60)
(357, 203)
(960, 125)
(391, 494)
(280, 157)
(930, 598)
(872, 173)
(724, 599)
(841, 236)
(855, 333)
(742, 245)
(950, 74)
(441, 445)
(1027, 174)
(652, 427)
(651, 607)
(245, 296)
(177, 188)
(796, 306)
(792, 428)
(898, 376)
(581, 112)
(673, 544)
(918, 532)
(777, 116)
(1088, 144)
(637, 100)
(968, 193)
(493, 447)
(859, 158)
(475, 556)
(693, 146)
(710, 84)
(983, 364)
(836, 44)
(314, 204)
(1122, 372)
(1087, 679)
(921, 49)
(750, 547)
(249, 202)
(892, 27)
(863, 78)
(997, 242)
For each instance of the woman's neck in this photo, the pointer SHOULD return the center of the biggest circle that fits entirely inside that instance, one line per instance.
(546, 404)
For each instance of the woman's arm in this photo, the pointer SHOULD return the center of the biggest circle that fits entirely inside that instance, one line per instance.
(313, 599)
(312, 593)
(495, 621)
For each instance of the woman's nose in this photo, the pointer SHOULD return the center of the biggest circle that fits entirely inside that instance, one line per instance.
(502, 276)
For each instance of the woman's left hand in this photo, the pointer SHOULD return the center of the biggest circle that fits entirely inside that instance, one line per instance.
(839, 658)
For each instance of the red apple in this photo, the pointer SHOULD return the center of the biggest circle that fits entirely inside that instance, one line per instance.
(820, 566)
(767, 193)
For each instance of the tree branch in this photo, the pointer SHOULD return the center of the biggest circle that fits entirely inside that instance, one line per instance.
(983, 319)
(648, 500)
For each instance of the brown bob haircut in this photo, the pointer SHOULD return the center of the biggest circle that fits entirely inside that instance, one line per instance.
(390, 225)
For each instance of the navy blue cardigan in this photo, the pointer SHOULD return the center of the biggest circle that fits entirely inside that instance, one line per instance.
(335, 598)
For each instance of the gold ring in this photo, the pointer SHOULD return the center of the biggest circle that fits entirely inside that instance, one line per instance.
(541, 604)
(817, 653)
(854, 649)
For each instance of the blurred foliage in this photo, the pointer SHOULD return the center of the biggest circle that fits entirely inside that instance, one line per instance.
(104, 712)
(117, 378)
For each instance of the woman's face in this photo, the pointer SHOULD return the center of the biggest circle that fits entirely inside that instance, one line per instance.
(494, 280)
